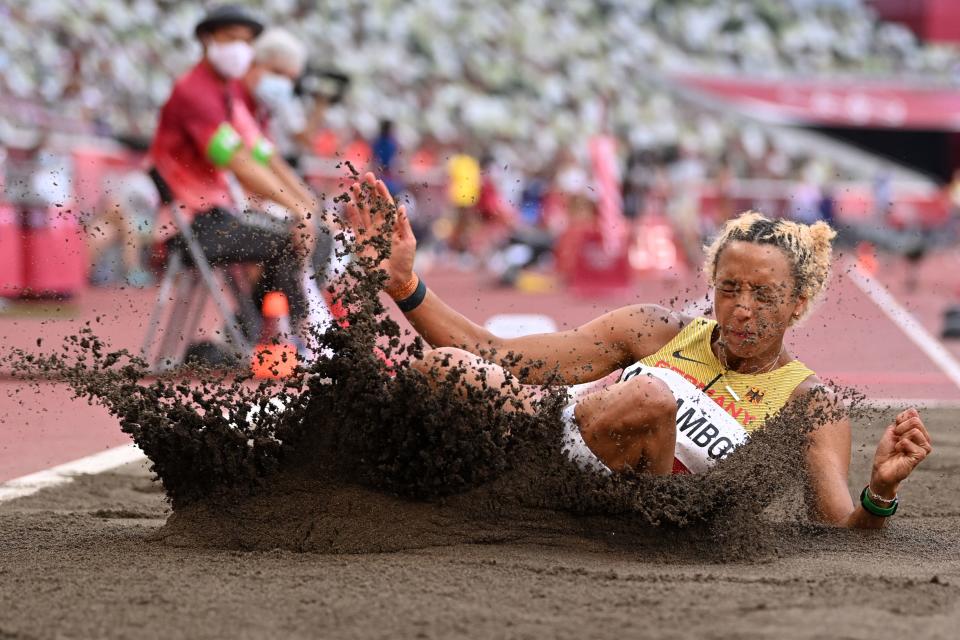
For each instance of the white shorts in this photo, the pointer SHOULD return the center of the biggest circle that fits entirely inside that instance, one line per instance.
(706, 433)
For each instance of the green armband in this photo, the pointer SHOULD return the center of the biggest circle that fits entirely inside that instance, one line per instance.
(223, 145)
(262, 151)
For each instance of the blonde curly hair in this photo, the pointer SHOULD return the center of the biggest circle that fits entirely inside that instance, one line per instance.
(808, 247)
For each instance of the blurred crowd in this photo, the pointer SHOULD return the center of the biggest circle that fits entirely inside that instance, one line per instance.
(540, 74)
(797, 36)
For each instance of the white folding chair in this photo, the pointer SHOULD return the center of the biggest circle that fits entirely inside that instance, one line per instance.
(188, 283)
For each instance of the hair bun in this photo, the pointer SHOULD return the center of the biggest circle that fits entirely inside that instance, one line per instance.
(809, 248)
(822, 234)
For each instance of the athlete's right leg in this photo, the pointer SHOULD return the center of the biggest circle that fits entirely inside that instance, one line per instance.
(631, 423)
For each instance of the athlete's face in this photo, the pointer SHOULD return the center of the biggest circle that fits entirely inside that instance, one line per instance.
(754, 297)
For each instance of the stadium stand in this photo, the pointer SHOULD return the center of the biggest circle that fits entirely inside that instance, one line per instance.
(538, 72)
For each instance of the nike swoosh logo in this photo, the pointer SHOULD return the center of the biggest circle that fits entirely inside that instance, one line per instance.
(676, 354)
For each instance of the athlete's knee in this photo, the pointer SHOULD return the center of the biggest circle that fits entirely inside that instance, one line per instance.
(649, 403)
(440, 359)
(633, 425)
(430, 361)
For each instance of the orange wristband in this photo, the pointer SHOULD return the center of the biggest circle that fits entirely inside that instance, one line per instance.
(404, 291)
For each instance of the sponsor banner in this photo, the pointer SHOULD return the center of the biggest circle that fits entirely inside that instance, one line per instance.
(840, 103)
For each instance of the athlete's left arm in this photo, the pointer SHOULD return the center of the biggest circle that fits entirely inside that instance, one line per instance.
(904, 444)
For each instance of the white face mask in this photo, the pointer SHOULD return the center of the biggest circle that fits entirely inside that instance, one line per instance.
(230, 59)
(273, 91)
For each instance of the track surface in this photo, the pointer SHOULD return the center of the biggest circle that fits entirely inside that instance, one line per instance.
(848, 339)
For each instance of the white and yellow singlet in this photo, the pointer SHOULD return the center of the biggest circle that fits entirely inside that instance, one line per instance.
(711, 421)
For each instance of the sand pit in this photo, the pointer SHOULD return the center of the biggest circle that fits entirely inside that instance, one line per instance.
(368, 458)
(277, 528)
(369, 454)
(83, 560)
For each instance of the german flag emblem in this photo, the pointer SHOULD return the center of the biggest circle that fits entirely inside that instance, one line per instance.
(755, 395)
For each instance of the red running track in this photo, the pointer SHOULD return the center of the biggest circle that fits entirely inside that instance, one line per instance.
(847, 339)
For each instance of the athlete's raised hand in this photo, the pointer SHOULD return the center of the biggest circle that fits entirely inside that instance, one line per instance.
(904, 445)
(370, 213)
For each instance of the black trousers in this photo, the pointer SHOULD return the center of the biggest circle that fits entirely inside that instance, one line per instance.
(230, 239)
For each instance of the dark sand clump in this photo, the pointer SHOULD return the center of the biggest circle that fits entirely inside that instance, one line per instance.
(370, 455)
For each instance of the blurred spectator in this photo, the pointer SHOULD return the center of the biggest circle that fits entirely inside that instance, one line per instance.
(571, 213)
(205, 130)
(463, 192)
(514, 243)
(492, 207)
(37, 180)
(385, 148)
(828, 206)
(532, 197)
(724, 182)
(22, 176)
(123, 227)
(686, 173)
(278, 64)
(882, 196)
(638, 178)
(805, 200)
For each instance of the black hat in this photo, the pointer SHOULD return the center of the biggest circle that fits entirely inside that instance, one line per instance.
(226, 15)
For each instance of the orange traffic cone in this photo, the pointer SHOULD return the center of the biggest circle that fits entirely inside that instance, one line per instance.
(274, 356)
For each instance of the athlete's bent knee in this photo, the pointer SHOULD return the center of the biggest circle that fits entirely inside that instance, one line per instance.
(651, 402)
(439, 359)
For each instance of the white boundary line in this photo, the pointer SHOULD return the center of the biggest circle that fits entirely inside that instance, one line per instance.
(64, 473)
(907, 323)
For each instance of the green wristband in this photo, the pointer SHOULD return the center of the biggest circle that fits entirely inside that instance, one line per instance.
(871, 507)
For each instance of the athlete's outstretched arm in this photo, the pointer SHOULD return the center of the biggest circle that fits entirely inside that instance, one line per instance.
(589, 352)
(905, 443)
(586, 353)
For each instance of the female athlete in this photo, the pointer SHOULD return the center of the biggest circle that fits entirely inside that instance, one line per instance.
(689, 389)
